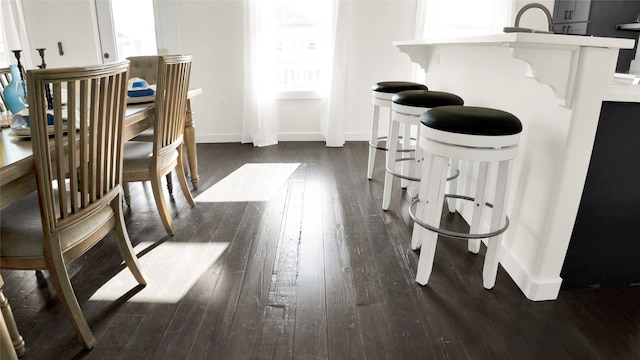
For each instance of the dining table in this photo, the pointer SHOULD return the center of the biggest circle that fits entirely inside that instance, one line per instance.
(17, 174)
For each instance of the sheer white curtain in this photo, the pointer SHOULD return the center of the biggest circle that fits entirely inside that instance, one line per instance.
(14, 31)
(336, 107)
(259, 117)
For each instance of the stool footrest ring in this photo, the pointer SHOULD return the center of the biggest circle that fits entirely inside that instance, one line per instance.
(455, 234)
(411, 178)
(387, 149)
(380, 147)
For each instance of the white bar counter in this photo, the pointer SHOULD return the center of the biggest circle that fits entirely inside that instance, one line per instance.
(556, 85)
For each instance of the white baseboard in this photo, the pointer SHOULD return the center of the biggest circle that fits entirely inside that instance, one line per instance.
(224, 138)
(230, 138)
(533, 289)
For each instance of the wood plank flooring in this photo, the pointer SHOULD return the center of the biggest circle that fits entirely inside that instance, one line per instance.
(317, 271)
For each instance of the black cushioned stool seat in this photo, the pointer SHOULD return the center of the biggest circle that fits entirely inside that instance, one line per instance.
(488, 137)
(382, 93)
(472, 121)
(406, 108)
(397, 86)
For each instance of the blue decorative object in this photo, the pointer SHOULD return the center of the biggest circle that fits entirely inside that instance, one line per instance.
(14, 92)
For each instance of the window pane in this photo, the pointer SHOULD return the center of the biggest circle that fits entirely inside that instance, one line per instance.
(301, 46)
(134, 27)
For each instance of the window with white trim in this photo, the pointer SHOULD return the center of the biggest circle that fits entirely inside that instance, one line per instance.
(302, 37)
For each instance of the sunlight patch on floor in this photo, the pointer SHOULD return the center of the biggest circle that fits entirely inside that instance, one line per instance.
(171, 269)
(251, 182)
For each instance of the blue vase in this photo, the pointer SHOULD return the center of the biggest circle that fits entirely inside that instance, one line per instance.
(14, 92)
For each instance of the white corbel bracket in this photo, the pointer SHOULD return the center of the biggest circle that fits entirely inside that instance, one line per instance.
(555, 66)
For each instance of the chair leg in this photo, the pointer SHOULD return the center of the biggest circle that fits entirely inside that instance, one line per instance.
(124, 243)
(61, 281)
(13, 340)
(161, 204)
(432, 215)
(169, 185)
(182, 179)
(373, 139)
(473, 245)
(425, 167)
(127, 194)
(492, 257)
(406, 144)
(453, 184)
(392, 142)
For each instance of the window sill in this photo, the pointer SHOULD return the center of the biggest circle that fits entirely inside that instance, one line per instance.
(299, 95)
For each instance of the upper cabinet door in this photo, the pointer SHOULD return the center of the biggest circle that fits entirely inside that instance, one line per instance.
(581, 11)
(571, 11)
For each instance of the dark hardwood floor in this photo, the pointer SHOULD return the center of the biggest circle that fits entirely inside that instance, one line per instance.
(317, 271)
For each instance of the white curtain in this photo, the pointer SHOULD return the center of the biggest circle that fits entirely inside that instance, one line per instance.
(336, 103)
(14, 31)
(259, 118)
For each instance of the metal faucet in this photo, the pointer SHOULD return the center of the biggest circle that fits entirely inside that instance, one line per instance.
(538, 6)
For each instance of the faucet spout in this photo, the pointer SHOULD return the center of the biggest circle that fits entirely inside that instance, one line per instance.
(537, 6)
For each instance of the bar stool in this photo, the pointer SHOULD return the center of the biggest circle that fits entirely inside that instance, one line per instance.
(482, 135)
(406, 108)
(382, 94)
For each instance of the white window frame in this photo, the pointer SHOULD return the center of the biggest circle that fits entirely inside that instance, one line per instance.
(324, 41)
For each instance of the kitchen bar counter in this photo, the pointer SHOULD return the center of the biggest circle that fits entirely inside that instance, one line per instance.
(556, 85)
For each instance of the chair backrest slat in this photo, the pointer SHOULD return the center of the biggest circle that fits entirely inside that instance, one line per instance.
(174, 72)
(81, 153)
(5, 79)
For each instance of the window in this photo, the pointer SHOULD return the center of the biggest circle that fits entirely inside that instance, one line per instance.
(4, 56)
(134, 26)
(301, 43)
(127, 28)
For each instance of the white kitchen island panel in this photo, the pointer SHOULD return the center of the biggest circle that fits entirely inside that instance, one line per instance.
(555, 84)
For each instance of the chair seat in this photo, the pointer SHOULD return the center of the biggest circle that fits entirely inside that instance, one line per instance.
(138, 156)
(472, 121)
(426, 98)
(397, 86)
(146, 135)
(21, 228)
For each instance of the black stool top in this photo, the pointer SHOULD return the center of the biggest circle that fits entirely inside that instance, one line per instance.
(426, 98)
(471, 120)
(397, 86)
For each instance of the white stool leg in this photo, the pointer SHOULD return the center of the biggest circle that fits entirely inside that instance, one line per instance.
(373, 139)
(406, 144)
(432, 215)
(492, 258)
(453, 184)
(392, 154)
(425, 170)
(478, 207)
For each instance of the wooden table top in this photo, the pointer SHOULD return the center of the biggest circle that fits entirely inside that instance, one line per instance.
(17, 178)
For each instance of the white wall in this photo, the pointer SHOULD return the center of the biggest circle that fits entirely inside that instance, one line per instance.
(212, 31)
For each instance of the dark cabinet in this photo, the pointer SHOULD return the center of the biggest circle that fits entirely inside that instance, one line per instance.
(571, 11)
(571, 16)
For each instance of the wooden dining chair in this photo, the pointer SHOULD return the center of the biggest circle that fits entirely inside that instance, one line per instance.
(150, 161)
(10, 339)
(78, 166)
(5, 79)
(145, 67)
